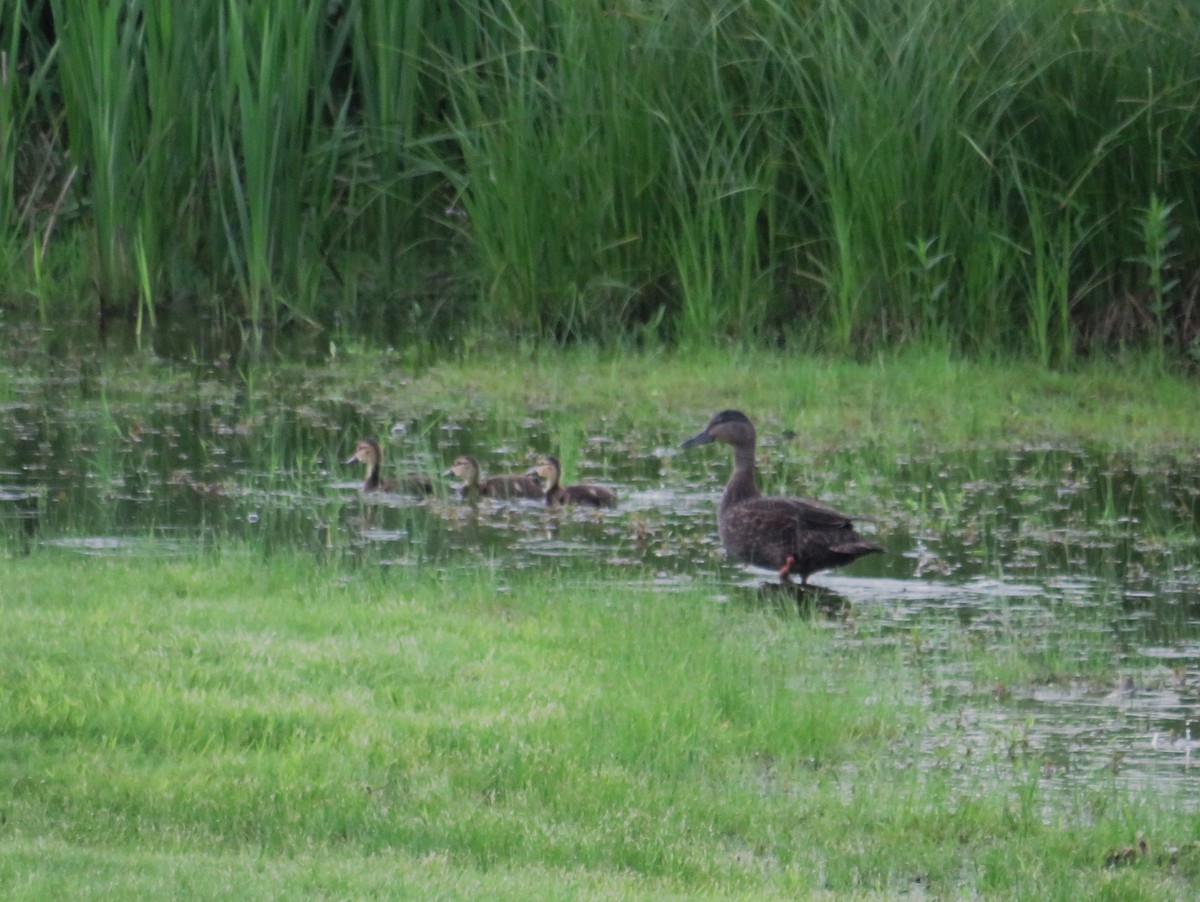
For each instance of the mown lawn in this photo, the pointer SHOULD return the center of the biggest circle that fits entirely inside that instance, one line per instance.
(230, 724)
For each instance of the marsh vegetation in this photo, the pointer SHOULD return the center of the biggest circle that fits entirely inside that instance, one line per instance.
(1013, 177)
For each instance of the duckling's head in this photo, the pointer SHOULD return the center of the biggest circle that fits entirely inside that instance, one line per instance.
(368, 452)
(547, 469)
(730, 426)
(466, 468)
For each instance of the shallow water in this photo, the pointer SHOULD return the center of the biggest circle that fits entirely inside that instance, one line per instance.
(1081, 559)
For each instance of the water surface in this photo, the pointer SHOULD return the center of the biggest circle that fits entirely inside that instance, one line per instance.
(1081, 560)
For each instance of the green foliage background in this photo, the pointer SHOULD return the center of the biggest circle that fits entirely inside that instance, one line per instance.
(1017, 176)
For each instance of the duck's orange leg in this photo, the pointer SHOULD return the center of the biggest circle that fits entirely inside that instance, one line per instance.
(786, 569)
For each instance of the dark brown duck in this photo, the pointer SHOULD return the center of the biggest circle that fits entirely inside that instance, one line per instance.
(370, 452)
(790, 535)
(549, 469)
(510, 485)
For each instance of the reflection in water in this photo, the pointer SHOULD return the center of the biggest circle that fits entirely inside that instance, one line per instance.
(806, 599)
(1077, 558)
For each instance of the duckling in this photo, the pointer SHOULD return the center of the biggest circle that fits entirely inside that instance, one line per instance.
(512, 485)
(549, 469)
(370, 452)
(791, 535)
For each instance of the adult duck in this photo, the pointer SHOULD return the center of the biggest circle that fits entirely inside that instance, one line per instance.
(509, 485)
(549, 469)
(790, 535)
(370, 452)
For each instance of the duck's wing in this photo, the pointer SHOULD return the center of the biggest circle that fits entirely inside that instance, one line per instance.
(416, 484)
(595, 495)
(797, 533)
(529, 487)
(794, 514)
(514, 485)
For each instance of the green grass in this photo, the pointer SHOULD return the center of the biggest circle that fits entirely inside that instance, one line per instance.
(189, 727)
(923, 398)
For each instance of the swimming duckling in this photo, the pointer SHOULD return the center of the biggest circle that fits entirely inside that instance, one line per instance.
(370, 452)
(791, 535)
(511, 485)
(549, 469)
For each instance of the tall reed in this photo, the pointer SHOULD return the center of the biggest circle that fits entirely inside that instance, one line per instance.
(559, 159)
(104, 99)
(852, 172)
(1158, 236)
(725, 195)
(392, 83)
(18, 92)
(179, 55)
(262, 113)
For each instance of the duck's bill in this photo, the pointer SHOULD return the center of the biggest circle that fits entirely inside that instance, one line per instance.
(352, 459)
(700, 438)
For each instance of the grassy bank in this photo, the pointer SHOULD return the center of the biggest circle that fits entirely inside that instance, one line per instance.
(274, 727)
(1016, 176)
(915, 398)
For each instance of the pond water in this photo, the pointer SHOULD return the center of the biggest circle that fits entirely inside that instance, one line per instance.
(1075, 557)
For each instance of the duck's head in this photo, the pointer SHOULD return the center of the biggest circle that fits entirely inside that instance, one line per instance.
(368, 452)
(547, 468)
(466, 468)
(730, 426)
